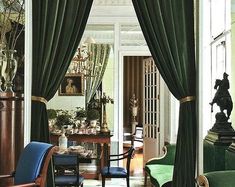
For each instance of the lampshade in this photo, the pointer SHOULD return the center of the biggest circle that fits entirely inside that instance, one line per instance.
(89, 40)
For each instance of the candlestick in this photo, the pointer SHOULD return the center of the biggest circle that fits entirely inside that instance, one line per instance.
(104, 100)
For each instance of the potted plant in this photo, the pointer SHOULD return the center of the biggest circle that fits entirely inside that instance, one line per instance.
(81, 113)
(63, 120)
(51, 114)
(93, 115)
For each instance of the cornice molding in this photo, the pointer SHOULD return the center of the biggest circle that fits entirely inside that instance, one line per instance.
(112, 3)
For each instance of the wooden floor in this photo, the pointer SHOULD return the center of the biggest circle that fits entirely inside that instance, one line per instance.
(136, 174)
(136, 168)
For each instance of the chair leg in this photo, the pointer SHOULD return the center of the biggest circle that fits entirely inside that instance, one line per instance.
(103, 181)
(145, 178)
(127, 182)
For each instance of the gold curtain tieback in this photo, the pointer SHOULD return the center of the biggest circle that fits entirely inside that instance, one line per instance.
(40, 99)
(187, 99)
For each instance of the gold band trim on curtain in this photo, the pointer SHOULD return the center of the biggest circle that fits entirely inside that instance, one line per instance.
(39, 99)
(187, 99)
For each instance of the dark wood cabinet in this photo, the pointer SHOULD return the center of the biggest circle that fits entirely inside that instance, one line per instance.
(11, 132)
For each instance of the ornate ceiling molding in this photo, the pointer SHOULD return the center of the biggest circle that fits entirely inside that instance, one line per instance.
(112, 2)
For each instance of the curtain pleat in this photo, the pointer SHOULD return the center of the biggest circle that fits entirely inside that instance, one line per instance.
(168, 28)
(100, 55)
(57, 30)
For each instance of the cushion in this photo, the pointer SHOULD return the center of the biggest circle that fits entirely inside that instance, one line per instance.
(63, 180)
(114, 172)
(160, 174)
(221, 178)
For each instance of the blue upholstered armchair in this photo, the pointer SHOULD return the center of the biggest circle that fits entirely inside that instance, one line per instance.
(32, 166)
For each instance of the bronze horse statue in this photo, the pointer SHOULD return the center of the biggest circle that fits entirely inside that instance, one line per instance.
(222, 97)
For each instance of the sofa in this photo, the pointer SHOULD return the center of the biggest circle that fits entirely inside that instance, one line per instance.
(225, 178)
(160, 170)
(217, 179)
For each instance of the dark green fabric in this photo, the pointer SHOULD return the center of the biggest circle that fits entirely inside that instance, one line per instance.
(160, 174)
(213, 156)
(208, 157)
(221, 178)
(164, 165)
(168, 159)
(57, 30)
(229, 160)
(168, 28)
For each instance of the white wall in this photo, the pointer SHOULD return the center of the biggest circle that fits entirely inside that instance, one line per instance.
(232, 77)
(66, 102)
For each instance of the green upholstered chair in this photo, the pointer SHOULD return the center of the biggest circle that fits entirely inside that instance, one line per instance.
(225, 178)
(160, 169)
(217, 179)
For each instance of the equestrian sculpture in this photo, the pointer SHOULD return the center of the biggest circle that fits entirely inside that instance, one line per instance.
(222, 98)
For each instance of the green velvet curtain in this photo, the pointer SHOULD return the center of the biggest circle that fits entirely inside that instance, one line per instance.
(100, 55)
(168, 27)
(58, 26)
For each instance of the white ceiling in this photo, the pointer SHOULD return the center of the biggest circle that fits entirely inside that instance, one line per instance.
(105, 14)
(112, 2)
(112, 8)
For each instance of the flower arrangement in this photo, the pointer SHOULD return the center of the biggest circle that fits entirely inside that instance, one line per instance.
(81, 113)
(11, 51)
(64, 119)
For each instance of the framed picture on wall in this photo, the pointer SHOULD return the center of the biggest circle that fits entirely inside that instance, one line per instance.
(72, 85)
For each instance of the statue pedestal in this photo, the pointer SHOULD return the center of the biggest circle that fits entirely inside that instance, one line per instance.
(223, 129)
(220, 138)
(216, 143)
(230, 157)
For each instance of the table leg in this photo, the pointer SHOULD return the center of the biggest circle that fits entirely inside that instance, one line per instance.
(107, 154)
(102, 161)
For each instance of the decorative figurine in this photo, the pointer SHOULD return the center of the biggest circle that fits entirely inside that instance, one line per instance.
(134, 107)
(134, 111)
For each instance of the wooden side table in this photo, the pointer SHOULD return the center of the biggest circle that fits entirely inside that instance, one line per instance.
(103, 140)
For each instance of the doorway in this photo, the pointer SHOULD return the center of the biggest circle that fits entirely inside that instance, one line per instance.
(132, 85)
(132, 110)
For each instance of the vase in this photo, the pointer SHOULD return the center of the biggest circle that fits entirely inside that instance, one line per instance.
(63, 141)
(2, 58)
(8, 70)
(93, 123)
